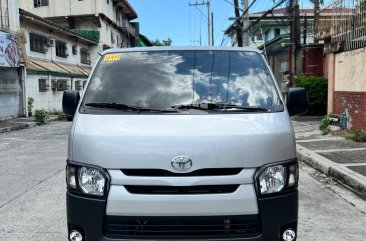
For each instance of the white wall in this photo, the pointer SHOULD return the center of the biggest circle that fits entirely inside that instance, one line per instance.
(60, 7)
(51, 100)
(51, 52)
(13, 6)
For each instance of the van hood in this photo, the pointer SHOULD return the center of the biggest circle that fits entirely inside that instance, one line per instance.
(210, 141)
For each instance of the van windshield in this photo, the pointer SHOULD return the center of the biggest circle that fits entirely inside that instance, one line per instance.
(166, 79)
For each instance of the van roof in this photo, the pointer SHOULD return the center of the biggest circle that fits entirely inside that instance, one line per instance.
(172, 48)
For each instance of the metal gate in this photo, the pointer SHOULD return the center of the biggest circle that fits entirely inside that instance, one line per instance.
(10, 93)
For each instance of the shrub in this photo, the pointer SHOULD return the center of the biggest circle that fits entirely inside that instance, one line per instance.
(317, 88)
(330, 119)
(41, 116)
(359, 136)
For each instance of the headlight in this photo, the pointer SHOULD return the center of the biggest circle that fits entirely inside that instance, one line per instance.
(277, 178)
(91, 181)
(86, 180)
(272, 179)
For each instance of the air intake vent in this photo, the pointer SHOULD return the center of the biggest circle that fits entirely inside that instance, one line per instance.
(165, 173)
(172, 228)
(176, 190)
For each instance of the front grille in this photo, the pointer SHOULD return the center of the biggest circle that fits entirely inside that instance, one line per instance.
(182, 227)
(165, 173)
(178, 190)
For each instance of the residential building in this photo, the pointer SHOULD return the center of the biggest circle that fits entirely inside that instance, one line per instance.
(345, 60)
(56, 59)
(271, 33)
(11, 72)
(105, 21)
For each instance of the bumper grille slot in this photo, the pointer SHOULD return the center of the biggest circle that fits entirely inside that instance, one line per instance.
(182, 227)
(165, 173)
(184, 190)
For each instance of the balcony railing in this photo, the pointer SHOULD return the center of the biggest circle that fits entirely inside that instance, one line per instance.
(346, 26)
(126, 25)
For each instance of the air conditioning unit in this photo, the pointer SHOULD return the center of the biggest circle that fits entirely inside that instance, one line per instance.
(50, 42)
(74, 50)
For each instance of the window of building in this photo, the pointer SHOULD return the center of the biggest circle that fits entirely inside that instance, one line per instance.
(40, 3)
(266, 36)
(4, 20)
(252, 38)
(61, 49)
(85, 56)
(259, 37)
(37, 43)
(60, 84)
(42, 85)
(277, 32)
(78, 85)
(112, 38)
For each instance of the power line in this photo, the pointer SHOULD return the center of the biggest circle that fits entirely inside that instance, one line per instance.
(257, 21)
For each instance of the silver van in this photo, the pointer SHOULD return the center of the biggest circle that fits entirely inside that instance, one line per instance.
(182, 144)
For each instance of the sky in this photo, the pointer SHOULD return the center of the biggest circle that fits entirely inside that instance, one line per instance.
(187, 26)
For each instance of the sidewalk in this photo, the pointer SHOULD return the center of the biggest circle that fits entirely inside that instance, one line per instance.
(21, 123)
(337, 157)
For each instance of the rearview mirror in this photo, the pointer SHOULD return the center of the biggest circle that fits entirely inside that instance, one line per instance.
(70, 101)
(297, 101)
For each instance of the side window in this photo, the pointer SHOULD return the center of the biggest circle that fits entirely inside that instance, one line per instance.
(37, 43)
(85, 56)
(277, 32)
(4, 19)
(40, 3)
(61, 49)
(42, 85)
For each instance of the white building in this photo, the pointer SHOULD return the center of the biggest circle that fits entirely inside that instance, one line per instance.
(106, 21)
(56, 59)
(11, 72)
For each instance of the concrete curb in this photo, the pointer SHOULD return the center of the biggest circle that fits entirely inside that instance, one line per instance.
(19, 126)
(343, 175)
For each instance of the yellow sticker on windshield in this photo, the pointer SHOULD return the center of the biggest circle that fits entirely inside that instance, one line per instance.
(112, 57)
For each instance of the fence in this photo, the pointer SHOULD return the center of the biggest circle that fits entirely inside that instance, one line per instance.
(344, 21)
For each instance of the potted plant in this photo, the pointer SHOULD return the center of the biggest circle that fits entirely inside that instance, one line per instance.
(30, 106)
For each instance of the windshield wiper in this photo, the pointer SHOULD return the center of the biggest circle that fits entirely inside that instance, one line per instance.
(117, 106)
(219, 106)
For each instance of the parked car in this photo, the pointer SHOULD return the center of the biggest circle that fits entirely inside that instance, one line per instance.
(182, 144)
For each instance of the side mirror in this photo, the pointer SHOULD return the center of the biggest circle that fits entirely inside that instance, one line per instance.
(297, 101)
(70, 101)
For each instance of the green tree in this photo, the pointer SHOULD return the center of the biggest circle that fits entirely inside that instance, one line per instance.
(167, 42)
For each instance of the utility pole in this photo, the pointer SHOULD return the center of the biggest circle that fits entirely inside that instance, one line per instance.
(208, 17)
(212, 28)
(239, 33)
(316, 19)
(245, 23)
(294, 39)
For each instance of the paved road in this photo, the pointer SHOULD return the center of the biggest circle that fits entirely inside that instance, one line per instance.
(32, 192)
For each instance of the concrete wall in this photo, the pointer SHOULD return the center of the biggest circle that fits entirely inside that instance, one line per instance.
(350, 71)
(51, 100)
(347, 81)
(10, 82)
(61, 7)
(13, 6)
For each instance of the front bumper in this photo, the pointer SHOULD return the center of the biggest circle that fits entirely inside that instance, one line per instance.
(275, 214)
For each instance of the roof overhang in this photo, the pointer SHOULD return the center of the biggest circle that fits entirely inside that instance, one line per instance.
(278, 44)
(126, 8)
(24, 15)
